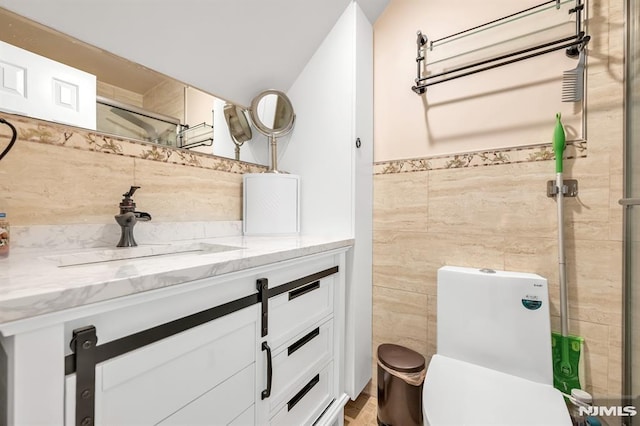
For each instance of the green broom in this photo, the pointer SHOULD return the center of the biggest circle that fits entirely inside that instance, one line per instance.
(565, 349)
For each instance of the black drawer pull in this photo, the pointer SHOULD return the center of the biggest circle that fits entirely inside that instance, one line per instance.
(303, 341)
(267, 392)
(303, 290)
(305, 390)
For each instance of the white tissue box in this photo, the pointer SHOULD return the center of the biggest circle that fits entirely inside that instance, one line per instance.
(271, 204)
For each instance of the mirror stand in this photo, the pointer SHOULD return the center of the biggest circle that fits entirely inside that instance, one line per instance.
(273, 167)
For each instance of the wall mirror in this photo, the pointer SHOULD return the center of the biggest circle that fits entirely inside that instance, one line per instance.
(272, 114)
(136, 102)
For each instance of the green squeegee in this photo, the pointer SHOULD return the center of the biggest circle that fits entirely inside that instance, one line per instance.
(567, 362)
(565, 349)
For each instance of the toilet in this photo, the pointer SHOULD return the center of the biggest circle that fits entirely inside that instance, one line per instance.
(493, 363)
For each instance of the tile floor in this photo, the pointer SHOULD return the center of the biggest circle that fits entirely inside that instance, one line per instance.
(362, 411)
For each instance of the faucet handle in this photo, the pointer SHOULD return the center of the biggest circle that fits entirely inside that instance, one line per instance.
(131, 191)
(127, 204)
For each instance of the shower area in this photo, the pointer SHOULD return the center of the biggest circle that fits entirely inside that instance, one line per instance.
(631, 205)
(129, 121)
(126, 120)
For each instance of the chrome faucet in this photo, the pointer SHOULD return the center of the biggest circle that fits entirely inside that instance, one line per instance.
(128, 217)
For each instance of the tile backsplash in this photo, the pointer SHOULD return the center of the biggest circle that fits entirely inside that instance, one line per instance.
(57, 174)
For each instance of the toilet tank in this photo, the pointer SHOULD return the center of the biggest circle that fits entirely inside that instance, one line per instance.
(495, 319)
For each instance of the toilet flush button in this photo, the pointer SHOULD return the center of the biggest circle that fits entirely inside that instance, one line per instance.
(531, 303)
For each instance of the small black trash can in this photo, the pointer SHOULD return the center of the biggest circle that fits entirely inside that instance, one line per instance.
(401, 373)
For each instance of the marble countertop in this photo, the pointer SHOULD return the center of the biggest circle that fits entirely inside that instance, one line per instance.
(35, 282)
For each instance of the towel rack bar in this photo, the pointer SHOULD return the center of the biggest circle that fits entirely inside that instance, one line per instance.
(573, 44)
(510, 55)
(629, 202)
(495, 21)
(420, 87)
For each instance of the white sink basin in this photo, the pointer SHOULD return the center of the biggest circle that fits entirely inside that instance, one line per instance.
(142, 251)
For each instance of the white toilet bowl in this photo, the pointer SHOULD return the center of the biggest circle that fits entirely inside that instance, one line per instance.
(493, 365)
(458, 393)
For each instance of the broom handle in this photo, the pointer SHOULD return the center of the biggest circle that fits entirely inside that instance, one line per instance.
(564, 309)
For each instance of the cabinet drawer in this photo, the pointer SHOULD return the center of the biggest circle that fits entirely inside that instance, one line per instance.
(298, 358)
(292, 312)
(306, 403)
(221, 405)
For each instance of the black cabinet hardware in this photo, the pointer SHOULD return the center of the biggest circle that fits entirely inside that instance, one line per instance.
(303, 341)
(292, 285)
(305, 390)
(304, 290)
(267, 392)
(83, 345)
(151, 335)
(262, 285)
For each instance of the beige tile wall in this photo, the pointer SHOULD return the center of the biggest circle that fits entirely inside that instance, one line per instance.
(118, 94)
(499, 217)
(64, 175)
(167, 98)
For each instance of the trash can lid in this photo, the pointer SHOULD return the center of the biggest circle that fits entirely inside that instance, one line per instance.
(399, 358)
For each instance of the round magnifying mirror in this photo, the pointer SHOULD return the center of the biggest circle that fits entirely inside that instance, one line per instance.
(272, 115)
(238, 125)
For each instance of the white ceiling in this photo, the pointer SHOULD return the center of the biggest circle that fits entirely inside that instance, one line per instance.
(231, 48)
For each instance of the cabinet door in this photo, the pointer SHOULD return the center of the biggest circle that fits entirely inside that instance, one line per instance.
(148, 385)
(360, 259)
(221, 405)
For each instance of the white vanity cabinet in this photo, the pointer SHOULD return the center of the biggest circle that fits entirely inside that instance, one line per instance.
(204, 373)
(258, 346)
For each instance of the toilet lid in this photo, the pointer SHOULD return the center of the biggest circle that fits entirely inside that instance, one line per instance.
(458, 393)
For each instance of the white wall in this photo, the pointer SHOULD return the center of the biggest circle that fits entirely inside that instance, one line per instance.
(319, 149)
(333, 100)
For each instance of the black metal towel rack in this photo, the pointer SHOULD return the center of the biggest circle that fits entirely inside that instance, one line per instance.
(573, 44)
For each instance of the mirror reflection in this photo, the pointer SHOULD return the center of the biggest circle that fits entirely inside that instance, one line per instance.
(272, 114)
(132, 101)
(121, 119)
(239, 126)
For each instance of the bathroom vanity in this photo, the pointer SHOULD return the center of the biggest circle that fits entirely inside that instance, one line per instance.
(234, 330)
